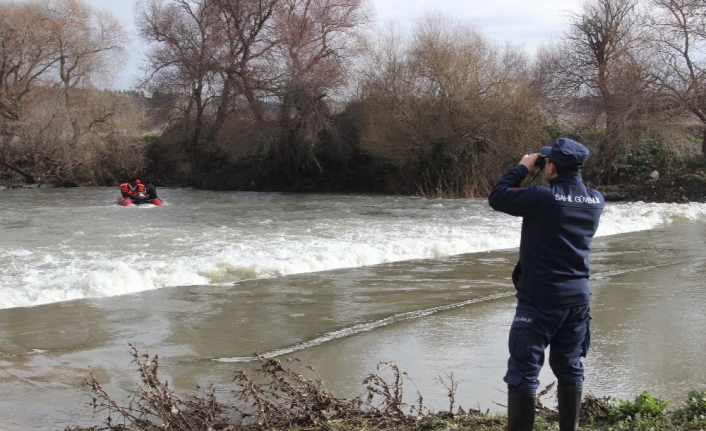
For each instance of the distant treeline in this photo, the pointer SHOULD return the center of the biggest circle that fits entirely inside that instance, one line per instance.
(305, 95)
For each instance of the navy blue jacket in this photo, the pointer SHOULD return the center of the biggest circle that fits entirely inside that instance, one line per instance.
(151, 191)
(558, 224)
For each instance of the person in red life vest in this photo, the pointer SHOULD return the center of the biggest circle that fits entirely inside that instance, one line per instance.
(126, 189)
(139, 188)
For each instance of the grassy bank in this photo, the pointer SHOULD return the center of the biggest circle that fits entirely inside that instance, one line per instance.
(280, 398)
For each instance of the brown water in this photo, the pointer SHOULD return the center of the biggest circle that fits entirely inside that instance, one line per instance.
(434, 318)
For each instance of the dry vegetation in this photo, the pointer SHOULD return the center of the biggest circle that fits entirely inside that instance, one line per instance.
(282, 398)
(277, 397)
(54, 125)
(301, 95)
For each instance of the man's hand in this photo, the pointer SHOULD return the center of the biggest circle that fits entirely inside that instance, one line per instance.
(529, 161)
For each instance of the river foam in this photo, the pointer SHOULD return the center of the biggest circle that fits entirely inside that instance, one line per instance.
(223, 240)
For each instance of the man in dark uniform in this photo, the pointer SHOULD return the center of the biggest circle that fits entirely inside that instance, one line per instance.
(150, 189)
(551, 278)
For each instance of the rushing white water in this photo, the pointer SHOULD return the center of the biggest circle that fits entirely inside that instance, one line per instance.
(58, 245)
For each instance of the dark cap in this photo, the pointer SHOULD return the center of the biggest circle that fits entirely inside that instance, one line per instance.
(566, 152)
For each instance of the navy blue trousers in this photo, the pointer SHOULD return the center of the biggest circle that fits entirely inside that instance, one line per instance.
(567, 333)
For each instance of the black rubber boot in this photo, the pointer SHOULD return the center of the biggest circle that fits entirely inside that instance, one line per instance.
(520, 412)
(569, 407)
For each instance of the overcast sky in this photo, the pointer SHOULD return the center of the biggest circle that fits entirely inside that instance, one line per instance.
(529, 23)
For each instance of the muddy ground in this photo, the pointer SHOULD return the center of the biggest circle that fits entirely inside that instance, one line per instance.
(678, 187)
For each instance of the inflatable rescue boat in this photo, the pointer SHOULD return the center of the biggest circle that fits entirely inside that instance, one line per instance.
(126, 202)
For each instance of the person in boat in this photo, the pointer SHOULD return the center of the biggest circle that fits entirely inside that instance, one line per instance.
(151, 190)
(139, 188)
(126, 189)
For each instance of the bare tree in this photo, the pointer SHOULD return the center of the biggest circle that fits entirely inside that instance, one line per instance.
(598, 64)
(184, 37)
(317, 40)
(51, 51)
(209, 52)
(221, 55)
(447, 107)
(86, 42)
(26, 54)
(387, 86)
(248, 33)
(680, 49)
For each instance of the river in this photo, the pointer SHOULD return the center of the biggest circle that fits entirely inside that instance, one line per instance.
(340, 282)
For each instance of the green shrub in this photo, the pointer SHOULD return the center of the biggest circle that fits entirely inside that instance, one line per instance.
(644, 406)
(637, 164)
(693, 408)
(148, 138)
(642, 424)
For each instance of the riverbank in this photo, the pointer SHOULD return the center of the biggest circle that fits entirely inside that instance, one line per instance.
(680, 187)
(280, 398)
